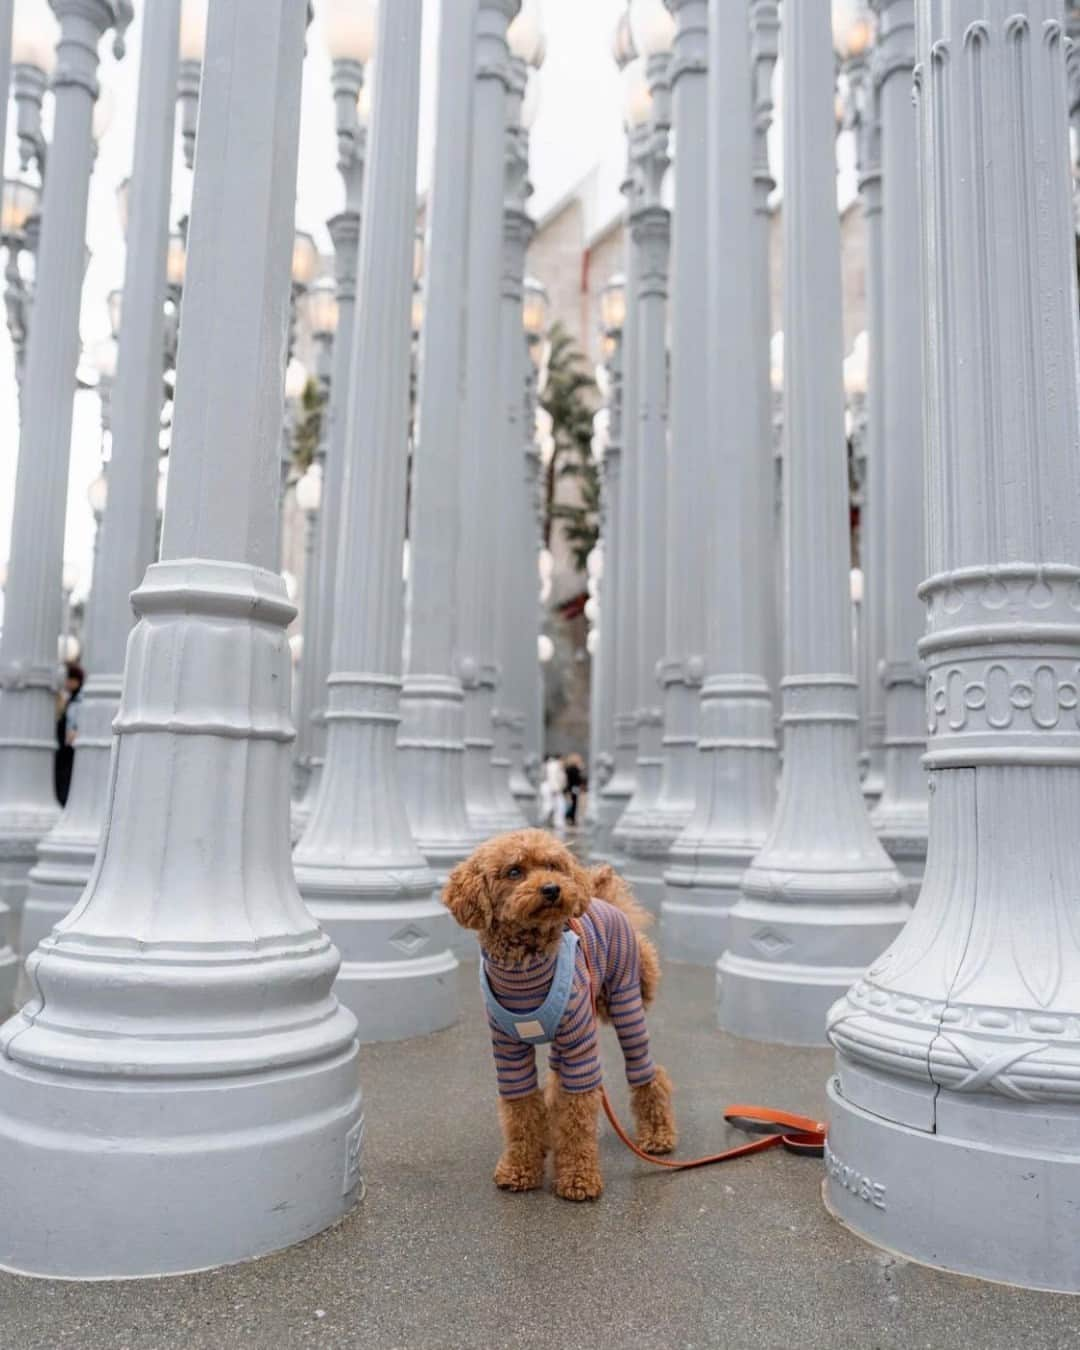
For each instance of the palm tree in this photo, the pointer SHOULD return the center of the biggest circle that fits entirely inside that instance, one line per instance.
(570, 397)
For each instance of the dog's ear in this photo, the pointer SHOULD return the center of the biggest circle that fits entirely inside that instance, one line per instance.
(466, 895)
(604, 883)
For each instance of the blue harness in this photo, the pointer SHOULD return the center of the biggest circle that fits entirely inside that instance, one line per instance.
(539, 1027)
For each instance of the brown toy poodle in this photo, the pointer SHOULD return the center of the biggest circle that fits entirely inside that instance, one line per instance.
(519, 892)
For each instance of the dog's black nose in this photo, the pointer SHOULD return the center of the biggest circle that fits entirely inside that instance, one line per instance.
(550, 892)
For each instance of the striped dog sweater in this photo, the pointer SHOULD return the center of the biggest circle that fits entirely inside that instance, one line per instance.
(575, 1049)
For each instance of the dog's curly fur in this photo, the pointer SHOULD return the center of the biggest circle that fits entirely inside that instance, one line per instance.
(515, 923)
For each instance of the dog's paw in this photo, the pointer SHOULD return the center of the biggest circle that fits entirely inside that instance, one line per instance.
(512, 1175)
(658, 1140)
(579, 1186)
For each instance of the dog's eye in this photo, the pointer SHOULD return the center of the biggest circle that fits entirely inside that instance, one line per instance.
(514, 873)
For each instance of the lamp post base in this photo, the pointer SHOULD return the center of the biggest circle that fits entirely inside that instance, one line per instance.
(196, 1174)
(699, 895)
(991, 1190)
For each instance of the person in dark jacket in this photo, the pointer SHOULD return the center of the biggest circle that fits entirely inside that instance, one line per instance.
(67, 729)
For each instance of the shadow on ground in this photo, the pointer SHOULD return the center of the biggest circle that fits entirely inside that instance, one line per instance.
(741, 1257)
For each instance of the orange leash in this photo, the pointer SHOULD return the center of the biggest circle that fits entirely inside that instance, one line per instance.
(779, 1129)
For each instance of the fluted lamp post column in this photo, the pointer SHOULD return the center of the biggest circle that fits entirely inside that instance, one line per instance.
(737, 759)
(184, 1010)
(130, 388)
(431, 739)
(358, 865)
(687, 525)
(490, 806)
(764, 53)
(957, 1096)
(28, 807)
(852, 35)
(822, 899)
(602, 743)
(515, 615)
(349, 29)
(641, 844)
(527, 744)
(901, 815)
(619, 788)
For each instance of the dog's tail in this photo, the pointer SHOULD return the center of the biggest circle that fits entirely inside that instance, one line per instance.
(606, 884)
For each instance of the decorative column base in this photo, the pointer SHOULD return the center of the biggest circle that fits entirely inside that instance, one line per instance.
(822, 900)
(184, 1009)
(734, 806)
(66, 854)
(940, 1196)
(491, 808)
(522, 788)
(643, 837)
(617, 791)
(902, 814)
(431, 756)
(365, 881)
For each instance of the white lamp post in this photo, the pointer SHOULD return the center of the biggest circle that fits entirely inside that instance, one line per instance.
(623, 473)
(686, 524)
(602, 720)
(636, 836)
(737, 755)
(901, 815)
(490, 806)
(189, 1018)
(822, 897)
(350, 81)
(32, 617)
(957, 1096)
(514, 611)
(357, 864)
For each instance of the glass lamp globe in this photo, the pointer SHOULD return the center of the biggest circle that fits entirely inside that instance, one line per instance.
(20, 201)
(652, 26)
(71, 575)
(33, 40)
(637, 96)
(592, 641)
(613, 304)
(545, 648)
(594, 563)
(858, 585)
(323, 308)
(176, 260)
(309, 490)
(296, 378)
(853, 28)
(97, 494)
(534, 310)
(193, 30)
(592, 609)
(622, 42)
(349, 29)
(305, 259)
(525, 36)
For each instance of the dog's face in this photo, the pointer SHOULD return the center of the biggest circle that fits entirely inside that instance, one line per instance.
(520, 887)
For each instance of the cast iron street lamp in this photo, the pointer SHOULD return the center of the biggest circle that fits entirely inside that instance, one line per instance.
(822, 897)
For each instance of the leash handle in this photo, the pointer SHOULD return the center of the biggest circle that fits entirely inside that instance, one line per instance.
(778, 1129)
